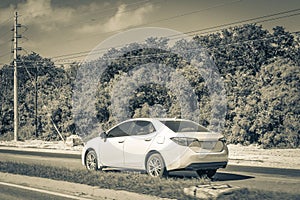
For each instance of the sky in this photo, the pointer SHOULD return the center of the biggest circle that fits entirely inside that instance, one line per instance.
(53, 28)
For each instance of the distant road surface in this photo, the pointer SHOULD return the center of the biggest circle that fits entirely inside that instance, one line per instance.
(270, 179)
(8, 192)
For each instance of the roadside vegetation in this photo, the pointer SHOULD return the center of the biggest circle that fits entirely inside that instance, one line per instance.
(260, 69)
(133, 182)
(171, 187)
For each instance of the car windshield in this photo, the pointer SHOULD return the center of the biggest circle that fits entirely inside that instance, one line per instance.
(184, 126)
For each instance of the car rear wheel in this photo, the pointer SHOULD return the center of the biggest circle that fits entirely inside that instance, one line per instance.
(91, 161)
(208, 172)
(155, 166)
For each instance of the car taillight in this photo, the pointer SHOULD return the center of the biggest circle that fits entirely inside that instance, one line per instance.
(184, 141)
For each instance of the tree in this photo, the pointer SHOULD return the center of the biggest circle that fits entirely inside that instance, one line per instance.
(54, 99)
(279, 105)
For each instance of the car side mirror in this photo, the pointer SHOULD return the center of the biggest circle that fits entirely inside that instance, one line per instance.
(102, 135)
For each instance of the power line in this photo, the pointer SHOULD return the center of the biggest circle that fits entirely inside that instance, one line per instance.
(206, 29)
(69, 61)
(3, 55)
(4, 43)
(202, 31)
(249, 20)
(98, 11)
(6, 21)
(224, 45)
(166, 19)
(125, 11)
(193, 12)
(84, 13)
(5, 33)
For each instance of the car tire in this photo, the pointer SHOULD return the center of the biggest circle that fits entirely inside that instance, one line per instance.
(209, 173)
(155, 166)
(91, 161)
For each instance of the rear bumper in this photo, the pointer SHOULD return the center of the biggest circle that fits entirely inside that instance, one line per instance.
(210, 165)
(191, 160)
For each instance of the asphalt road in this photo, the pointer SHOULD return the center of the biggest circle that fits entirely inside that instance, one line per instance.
(15, 193)
(262, 178)
(71, 161)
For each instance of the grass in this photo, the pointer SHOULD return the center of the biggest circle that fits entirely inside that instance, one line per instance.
(252, 194)
(133, 182)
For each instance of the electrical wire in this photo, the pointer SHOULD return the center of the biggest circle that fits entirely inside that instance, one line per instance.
(224, 45)
(4, 34)
(247, 20)
(201, 30)
(6, 21)
(215, 28)
(4, 43)
(157, 55)
(260, 19)
(3, 55)
(98, 11)
(69, 61)
(111, 15)
(165, 19)
(193, 12)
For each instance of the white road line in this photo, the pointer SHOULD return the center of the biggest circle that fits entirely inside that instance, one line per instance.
(43, 191)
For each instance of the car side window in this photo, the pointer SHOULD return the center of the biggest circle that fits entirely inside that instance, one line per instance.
(121, 130)
(142, 128)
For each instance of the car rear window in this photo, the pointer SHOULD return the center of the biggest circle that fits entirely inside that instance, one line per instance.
(184, 126)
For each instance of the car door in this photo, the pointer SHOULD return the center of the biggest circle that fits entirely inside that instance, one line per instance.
(136, 146)
(112, 146)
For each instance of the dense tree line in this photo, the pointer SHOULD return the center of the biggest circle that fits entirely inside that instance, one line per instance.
(259, 68)
(52, 85)
(261, 71)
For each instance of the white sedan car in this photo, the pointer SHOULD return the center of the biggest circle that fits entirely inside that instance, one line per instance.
(157, 146)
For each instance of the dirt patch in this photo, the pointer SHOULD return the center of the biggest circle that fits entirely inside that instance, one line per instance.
(254, 155)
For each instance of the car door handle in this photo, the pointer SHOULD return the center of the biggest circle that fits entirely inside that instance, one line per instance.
(148, 139)
(121, 141)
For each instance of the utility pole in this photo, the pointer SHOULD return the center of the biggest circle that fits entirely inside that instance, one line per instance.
(15, 51)
(36, 100)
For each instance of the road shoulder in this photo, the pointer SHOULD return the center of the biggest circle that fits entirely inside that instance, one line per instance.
(74, 189)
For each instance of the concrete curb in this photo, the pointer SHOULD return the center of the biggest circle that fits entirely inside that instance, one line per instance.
(210, 191)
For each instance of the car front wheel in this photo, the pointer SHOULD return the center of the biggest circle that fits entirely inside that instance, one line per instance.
(155, 166)
(91, 161)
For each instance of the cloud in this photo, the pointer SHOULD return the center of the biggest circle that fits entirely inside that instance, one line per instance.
(41, 13)
(46, 17)
(57, 28)
(123, 18)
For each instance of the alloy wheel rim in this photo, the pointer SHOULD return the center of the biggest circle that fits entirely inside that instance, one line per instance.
(155, 167)
(91, 161)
